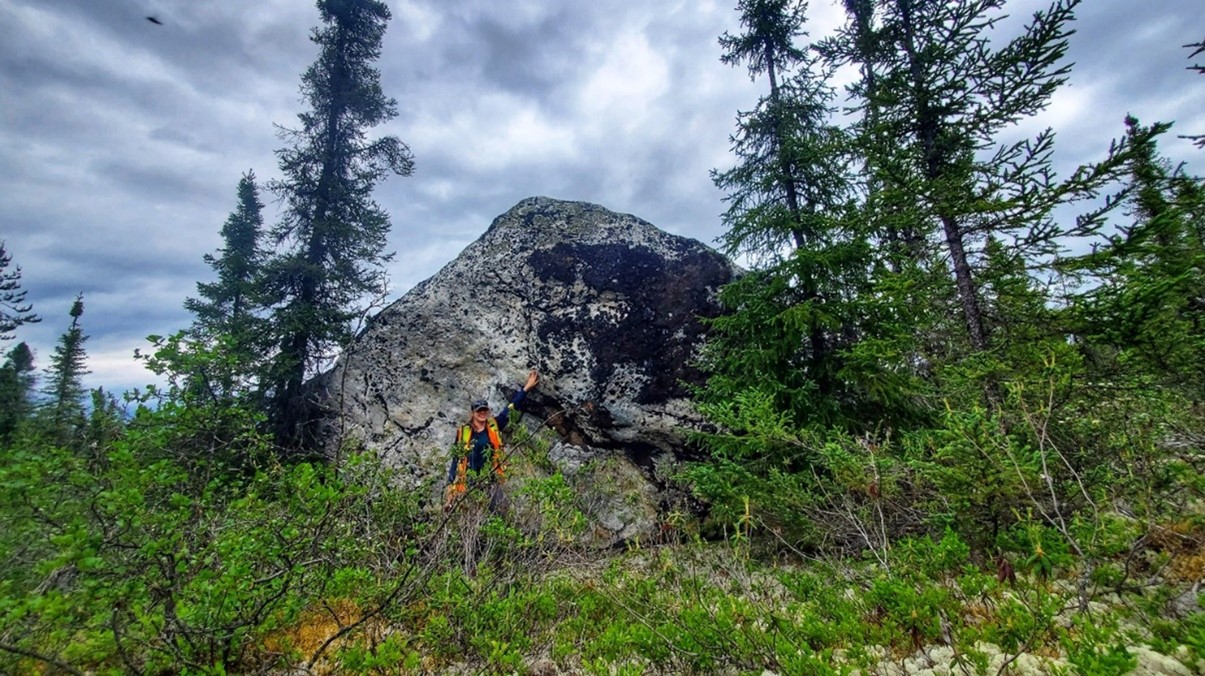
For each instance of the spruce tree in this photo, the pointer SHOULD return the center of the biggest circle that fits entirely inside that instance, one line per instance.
(16, 389)
(334, 234)
(229, 310)
(14, 310)
(228, 303)
(786, 205)
(939, 92)
(1198, 48)
(1145, 296)
(64, 407)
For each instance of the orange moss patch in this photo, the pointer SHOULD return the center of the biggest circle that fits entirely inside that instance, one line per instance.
(978, 613)
(1187, 568)
(317, 625)
(1185, 542)
(1049, 651)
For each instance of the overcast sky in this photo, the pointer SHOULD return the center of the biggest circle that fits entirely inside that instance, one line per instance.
(122, 141)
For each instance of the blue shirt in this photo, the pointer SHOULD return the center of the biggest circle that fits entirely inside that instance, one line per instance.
(480, 448)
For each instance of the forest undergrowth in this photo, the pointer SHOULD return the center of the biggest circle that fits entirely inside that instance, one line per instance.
(129, 558)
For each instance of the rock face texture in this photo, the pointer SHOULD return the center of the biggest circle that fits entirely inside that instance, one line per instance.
(605, 305)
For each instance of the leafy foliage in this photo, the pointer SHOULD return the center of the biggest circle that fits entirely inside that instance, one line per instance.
(205, 425)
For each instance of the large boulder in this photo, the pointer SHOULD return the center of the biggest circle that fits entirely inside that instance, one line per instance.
(605, 305)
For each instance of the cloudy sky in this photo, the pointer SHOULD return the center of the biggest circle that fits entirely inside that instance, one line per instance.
(122, 141)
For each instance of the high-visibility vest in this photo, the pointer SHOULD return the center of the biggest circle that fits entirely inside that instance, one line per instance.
(491, 426)
(464, 438)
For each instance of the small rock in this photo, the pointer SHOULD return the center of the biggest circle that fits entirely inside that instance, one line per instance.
(543, 667)
(1185, 604)
(942, 659)
(1151, 663)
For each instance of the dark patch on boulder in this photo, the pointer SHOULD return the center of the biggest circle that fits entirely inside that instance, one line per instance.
(662, 302)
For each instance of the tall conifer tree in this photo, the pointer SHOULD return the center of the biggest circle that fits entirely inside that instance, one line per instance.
(786, 198)
(16, 389)
(1198, 48)
(334, 233)
(230, 309)
(228, 303)
(1146, 298)
(64, 385)
(938, 94)
(14, 311)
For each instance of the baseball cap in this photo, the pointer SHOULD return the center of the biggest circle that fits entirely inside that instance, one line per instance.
(480, 404)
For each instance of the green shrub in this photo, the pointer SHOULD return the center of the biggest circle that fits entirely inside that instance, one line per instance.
(1095, 647)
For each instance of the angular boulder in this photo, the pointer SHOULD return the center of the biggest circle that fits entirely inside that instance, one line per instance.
(605, 305)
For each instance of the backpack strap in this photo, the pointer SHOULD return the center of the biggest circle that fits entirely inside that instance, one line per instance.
(459, 466)
(496, 457)
(495, 434)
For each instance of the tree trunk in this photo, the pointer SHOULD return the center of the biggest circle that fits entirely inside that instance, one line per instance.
(967, 297)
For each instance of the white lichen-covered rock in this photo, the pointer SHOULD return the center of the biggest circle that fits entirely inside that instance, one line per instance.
(606, 306)
(1151, 663)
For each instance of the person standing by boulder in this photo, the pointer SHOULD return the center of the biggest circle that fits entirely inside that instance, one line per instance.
(479, 444)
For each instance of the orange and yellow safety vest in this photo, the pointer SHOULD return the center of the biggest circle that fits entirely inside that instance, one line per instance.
(464, 437)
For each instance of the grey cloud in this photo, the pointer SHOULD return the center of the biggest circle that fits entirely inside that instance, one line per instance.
(208, 40)
(157, 181)
(534, 60)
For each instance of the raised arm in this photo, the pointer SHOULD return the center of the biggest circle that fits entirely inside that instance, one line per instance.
(503, 418)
